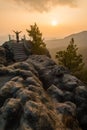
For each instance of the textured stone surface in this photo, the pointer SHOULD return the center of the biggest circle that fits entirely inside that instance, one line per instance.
(2, 56)
(39, 95)
(17, 51)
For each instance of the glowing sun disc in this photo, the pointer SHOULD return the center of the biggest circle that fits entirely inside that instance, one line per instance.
(54, 23)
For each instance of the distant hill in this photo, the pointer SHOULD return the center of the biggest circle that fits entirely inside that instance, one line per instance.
(60, 44)
(80, 40)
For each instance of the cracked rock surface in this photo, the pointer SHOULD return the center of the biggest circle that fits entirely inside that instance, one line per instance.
(37, 94)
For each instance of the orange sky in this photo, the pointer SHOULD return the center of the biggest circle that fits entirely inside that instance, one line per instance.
(71, 18)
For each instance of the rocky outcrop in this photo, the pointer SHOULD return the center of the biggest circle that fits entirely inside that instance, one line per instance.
(37, 94)
(2, 56)
(19, 51)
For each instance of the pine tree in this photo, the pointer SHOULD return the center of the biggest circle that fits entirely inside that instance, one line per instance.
(37, 40)
(70, 57)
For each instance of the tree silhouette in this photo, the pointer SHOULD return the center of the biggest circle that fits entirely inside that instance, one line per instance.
(37, 40)
(70, 58)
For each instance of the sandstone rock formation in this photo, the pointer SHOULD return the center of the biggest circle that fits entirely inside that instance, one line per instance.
(37, 94)
(2, 56)
(18, 51)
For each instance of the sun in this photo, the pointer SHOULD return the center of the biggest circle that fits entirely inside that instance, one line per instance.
(54, 22)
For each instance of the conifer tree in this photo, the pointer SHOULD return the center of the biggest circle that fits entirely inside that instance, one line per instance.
(37, 40)
(70, 57)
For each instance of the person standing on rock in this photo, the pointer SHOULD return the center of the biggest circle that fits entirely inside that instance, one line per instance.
(17, 35)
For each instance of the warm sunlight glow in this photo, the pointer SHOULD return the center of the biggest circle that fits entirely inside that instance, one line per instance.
(54, 22)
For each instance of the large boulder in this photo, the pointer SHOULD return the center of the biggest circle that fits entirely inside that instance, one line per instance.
(36, 95)
(55, 93)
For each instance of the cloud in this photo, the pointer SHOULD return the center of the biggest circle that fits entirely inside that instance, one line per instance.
(45, 5)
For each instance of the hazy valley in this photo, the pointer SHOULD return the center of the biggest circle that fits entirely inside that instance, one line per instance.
(80, 40)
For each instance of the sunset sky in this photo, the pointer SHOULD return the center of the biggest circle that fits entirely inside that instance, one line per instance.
(55, 18)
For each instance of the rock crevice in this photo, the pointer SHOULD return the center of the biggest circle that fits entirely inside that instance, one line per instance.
(37, 94)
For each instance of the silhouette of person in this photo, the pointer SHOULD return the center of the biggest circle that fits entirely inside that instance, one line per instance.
(17, 35)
